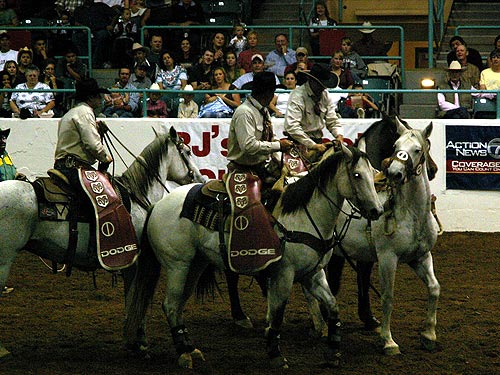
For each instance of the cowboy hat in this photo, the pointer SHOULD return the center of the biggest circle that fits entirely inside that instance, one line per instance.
(319, 73)
(257, 56)
(88, 88)
(5, 132)
(455, 65)
(138, 47)
(367, 24)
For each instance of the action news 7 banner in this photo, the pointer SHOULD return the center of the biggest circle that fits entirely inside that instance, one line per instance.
(472, 157)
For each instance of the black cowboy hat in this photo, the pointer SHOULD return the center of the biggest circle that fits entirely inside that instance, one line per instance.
(5, 132)
(319, 73)
(264, 82)
(87, 88)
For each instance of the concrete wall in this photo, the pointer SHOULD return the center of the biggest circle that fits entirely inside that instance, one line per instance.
(32, 143)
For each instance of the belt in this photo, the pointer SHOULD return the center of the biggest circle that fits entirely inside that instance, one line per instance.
(70, 162)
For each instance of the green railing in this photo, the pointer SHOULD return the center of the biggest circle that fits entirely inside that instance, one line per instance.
(45, 28)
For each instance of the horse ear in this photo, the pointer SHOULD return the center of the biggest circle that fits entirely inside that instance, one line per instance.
(154, 131)
(347, 153)
(428, 130)
(362, 144)
(173, 134)
(401, 128)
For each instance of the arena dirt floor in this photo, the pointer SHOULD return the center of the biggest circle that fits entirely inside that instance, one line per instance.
(59, 326)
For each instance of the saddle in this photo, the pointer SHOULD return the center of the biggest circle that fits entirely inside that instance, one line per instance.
(111, 229)
(234, 205)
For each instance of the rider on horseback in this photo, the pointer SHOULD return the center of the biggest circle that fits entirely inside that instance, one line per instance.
(310, 109)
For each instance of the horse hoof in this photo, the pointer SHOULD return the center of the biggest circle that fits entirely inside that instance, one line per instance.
(244, 323)
(427, 344)
(185, 361)
(139, 350)
(4, 354)
(279, 362)
(371, 324)
(392, 350)
(198, 354)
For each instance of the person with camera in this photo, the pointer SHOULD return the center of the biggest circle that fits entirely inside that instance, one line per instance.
(278, 59)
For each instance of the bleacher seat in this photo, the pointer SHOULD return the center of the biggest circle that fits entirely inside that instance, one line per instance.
(226, 6)
(380, 98)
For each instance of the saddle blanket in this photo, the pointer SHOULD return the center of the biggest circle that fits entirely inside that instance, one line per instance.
(253, 243)
(117, 245)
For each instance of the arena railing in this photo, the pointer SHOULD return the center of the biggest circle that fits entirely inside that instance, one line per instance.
(245, 92)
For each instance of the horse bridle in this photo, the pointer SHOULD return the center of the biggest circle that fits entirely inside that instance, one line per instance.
(185, 152)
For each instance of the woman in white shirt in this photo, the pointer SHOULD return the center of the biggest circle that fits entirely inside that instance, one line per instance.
(280, 101)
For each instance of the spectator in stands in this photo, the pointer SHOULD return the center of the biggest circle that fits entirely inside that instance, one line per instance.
(138, 12)
(188, 108)
(320, 18)
(67, 6)
(32, 104)
(124, 35)
(40, 52)
(278, 59)
(187, 58)
(218, 45)
(123, 108)
(220, 105)
(171, 76)
(5, 110)
(139, 53)
(454, 105)
(490, 78)
(15, 77)
(245, 82)
(233, 70)
(156, 46)
(302, 63)
(280, 101)
(140, 80)
(367, 45)
(345, 79)
(474, 57)
(353, 61)
(8, 16)
(201, 74)
(357, 104)
(245, 57)
(24, 59)
(188, 13)
(70, 68)
(98, 17)
(49, 78)
(239, 41)
(471, 72)
(6, 53)
(156, 107)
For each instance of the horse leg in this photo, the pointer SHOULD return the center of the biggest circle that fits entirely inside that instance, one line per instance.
(280, 288)
(424, 268)
(317, 287)
(364, 272)
(237, 313)
(387, 270)
(317, 314)
(181, 281)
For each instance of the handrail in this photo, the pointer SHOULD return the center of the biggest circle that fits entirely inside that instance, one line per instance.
(244, 92)
(460, 27)
(291, 28)
(45, 28)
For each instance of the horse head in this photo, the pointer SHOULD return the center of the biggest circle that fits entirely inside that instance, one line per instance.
(411, 154)
(357, 183)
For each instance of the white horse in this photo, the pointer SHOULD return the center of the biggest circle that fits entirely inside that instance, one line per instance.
(308, 209)
(406, 232)
(165, 158)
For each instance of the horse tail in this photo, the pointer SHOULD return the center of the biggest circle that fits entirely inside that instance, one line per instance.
(207, 284)
(142, 290)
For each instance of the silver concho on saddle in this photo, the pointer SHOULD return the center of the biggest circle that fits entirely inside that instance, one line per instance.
(117, 245)
(253, 244)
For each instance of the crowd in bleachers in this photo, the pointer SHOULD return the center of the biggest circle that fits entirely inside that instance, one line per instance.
(172, 60)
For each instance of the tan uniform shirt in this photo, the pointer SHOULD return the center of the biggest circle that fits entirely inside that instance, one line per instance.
(245, 146)
(77, 135)
(301, 121)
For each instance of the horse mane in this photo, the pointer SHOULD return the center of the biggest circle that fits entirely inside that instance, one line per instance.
(297, 195)
(141, 174)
